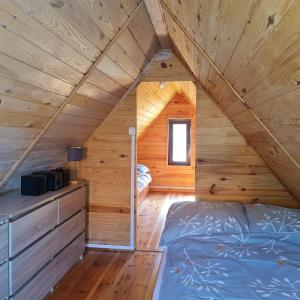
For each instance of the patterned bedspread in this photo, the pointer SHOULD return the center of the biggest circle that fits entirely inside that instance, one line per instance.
(232, 267)
(249, 253)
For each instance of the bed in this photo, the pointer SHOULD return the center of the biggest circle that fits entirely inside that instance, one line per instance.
(143, 181)
(230, 251)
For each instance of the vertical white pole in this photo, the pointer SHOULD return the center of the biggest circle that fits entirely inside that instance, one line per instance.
(132, 133)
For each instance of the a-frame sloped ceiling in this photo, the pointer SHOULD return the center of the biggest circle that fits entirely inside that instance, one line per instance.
(64, 65)
(246, 55)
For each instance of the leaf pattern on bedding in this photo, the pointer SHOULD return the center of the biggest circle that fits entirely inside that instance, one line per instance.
(193, 225)
(280, 220)
(214, 266)
(198, 273)
(244, 250)
(284, 287)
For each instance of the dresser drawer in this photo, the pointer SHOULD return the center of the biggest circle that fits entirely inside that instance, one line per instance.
(71, 203)
(32, 226)
(3, 242)
(4, 281)
(39, 286)
(70, 229)
(26, 265)
(70, 255)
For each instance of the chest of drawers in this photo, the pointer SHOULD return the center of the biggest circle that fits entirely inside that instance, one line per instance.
(41, 238)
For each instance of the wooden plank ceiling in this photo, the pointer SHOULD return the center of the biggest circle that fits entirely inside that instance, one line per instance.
(67, 63)
(152, 98)
(246, 55)
(64, 65)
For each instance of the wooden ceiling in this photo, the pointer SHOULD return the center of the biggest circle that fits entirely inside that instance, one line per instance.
(64, 64)
(246, 55)
(153, 97)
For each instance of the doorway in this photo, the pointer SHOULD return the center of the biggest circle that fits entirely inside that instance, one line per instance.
(166, 138)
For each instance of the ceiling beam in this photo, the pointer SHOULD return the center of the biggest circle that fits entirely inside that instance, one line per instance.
(159, 24)
(212, 64)
(140, 77)
(67, 100)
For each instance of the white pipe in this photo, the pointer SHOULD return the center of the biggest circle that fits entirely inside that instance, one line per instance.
(132, 133)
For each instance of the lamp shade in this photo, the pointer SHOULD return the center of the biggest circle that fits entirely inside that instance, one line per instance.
(75, 153)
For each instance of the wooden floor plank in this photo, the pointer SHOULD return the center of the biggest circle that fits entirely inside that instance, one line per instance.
(121, 275)
(151, 216)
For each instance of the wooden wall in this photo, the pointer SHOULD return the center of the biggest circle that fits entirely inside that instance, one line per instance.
(107, 165)
(245, 54)
(48, 50)
(107, 169)
(152, 146)
(227, 168)
(152, 99)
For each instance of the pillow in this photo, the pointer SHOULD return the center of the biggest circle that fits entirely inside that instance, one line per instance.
(142, 169)
(272, 219)
(202, 218)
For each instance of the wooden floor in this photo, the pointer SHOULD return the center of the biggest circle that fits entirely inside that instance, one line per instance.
(151, 216)
(121, 275)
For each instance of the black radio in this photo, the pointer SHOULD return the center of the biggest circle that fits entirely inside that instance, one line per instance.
(34, 184)
(65, 175)
(54, 179)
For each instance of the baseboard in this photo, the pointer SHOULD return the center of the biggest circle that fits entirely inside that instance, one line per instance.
(109, 247)
(175, 189)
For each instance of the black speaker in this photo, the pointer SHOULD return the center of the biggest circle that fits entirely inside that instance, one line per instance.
(33, 185)
(65, 174)
(54, 179)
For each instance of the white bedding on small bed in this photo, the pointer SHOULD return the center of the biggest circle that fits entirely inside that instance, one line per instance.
(143, 177)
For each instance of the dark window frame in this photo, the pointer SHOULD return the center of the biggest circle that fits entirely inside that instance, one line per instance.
(188, 142)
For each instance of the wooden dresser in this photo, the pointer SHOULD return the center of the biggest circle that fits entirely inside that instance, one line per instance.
(41, 238)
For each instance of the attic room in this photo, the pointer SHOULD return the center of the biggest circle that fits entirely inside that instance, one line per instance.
(149, 149)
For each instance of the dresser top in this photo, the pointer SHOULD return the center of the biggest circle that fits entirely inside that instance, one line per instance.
(13, 204)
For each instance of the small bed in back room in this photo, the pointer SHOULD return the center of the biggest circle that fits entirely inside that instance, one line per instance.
(230, 251)
(143, 181)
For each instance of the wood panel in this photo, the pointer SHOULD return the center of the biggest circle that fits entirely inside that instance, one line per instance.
(60, 40)
(152, 97)
(40, 285)
(107, 168)
(260, 69)
(71, 229)
(71, 203)
(111, 275)
(4, 281)
(70, 256)
(167, 67)
(25, 230)
(31, 261)
(226, 167)
(151, 217)
(4, 242)
(152, 146)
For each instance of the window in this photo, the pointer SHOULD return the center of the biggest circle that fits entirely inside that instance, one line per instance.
(179, 142)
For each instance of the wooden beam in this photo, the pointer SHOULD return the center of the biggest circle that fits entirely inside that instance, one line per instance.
(135, 82)
(211, 63)
(158, 21)
(67, 100)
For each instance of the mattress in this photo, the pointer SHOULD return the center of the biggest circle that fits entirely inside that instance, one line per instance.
(257, 258)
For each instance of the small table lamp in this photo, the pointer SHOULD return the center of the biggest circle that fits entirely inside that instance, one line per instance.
(75, 154)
